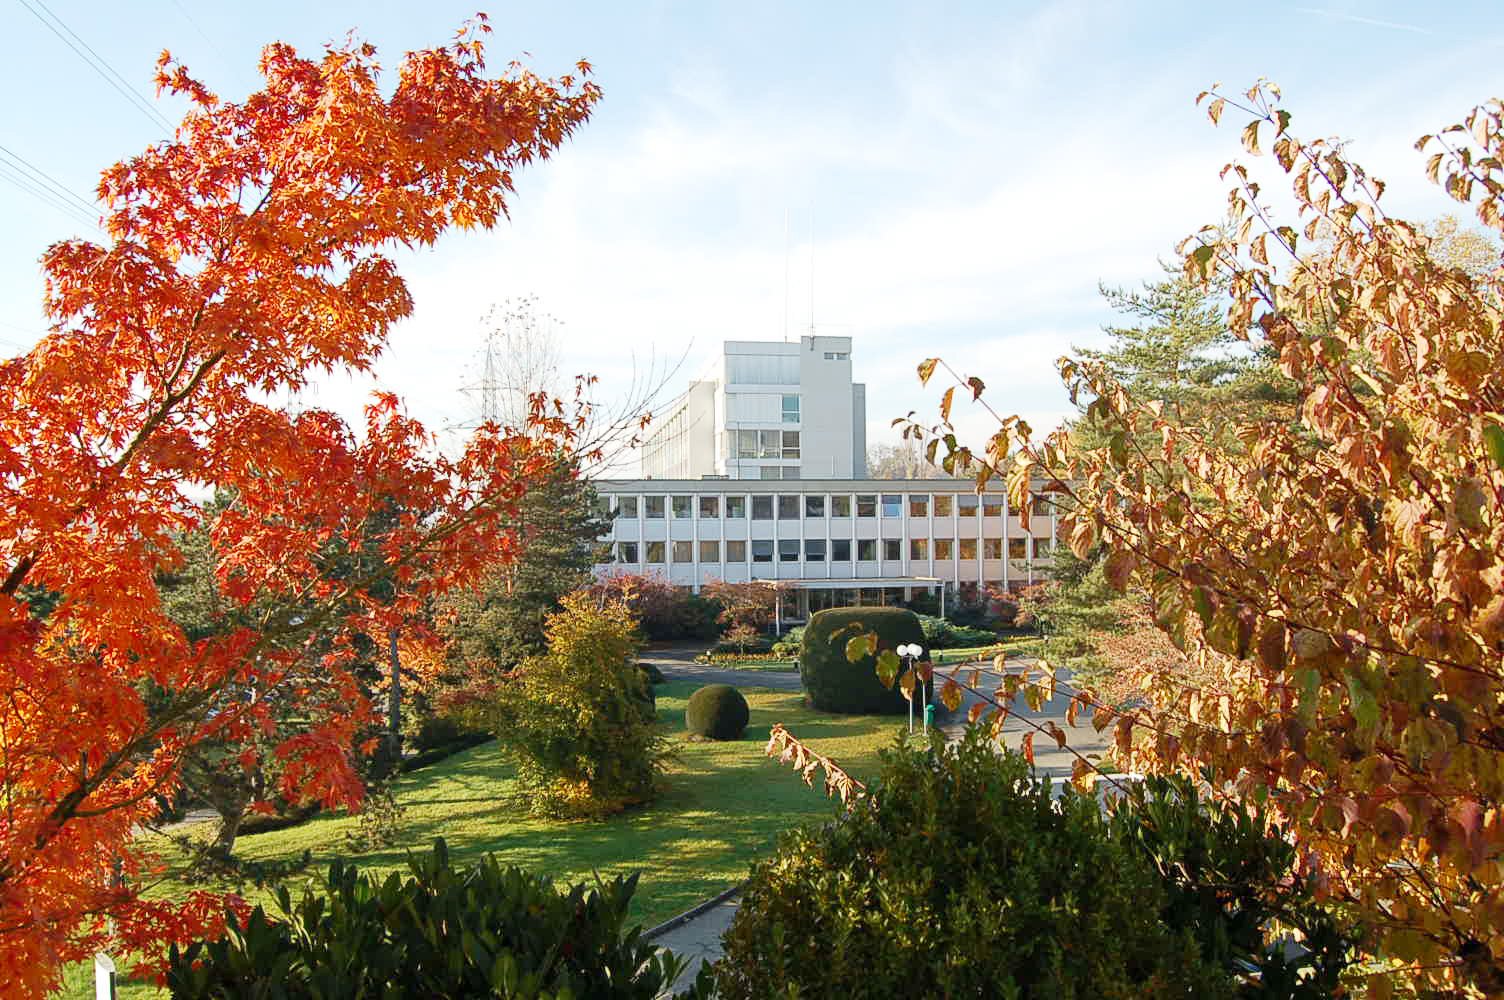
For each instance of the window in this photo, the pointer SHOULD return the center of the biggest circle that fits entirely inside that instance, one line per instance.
(892, 505)
(684, 552)
(788, 550)
(791, 472)
(1043, 503)
(788, 508)
(837, 355)
(626, 552)
(746, 444)
(992, 548)
(966, 505)
(866, 549)
(626, 507)
(840, 506)
(762, 550)
(1041, 548)
(945, 548)
(736, 506)
(840, 550)
(919, 505)
(769, 472)
(710, 506)
(992, 505)
(814, 506)
(790, 444)
(866, 505)
(762, 369)
(968, 548)
(942, 506)
(892, 548)
(1018, 548)
(919, 548)
(736, 551)
(681, 506)
(655, 552)
(654, 508)
(791, 409)
(710, 552)
(814, 550)
(762, 508)
(770, 444)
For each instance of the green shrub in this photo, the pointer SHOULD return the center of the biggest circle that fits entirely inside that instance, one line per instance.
(942, 634)
(717, 711)
(835, 684)
(579, 722)
(482, 931)
(655, 676)
(957, 876)
(757, 645)
(1228, 879)
(788, 644)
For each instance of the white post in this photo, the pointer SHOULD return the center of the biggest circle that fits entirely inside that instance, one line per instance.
(104, 977)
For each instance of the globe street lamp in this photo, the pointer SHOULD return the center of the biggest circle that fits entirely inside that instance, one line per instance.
(909, 652)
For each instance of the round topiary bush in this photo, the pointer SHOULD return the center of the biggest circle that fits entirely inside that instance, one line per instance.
(717, 712)
(835, 684)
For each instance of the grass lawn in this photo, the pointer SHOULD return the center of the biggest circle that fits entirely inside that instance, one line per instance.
(723, 804)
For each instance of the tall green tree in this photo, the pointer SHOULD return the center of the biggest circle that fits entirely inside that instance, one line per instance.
(499, 623)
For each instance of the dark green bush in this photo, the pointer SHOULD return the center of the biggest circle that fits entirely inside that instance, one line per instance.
(1228, 879)
(760, 644)
(645, 697)
(439, 932)
(942, 634)
(958, 877)
(835, 684)
(655, 676)
(717, 711)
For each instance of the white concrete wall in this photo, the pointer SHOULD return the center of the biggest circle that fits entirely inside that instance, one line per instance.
(825, 402)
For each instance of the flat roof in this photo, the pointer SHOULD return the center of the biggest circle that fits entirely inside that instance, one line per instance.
(850, 584)
(793, 485)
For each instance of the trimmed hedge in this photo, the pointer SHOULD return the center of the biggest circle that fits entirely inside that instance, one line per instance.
(835, 684)
(717, 711)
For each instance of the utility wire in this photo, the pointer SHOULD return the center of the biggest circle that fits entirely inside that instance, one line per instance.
(96, 63)
(37, 173)
(44, 195)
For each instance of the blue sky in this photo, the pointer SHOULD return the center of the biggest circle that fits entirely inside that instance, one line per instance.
(969, 172)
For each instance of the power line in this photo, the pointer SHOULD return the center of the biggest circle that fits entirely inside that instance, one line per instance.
(42, 194)
(26, 166)
(96, 63)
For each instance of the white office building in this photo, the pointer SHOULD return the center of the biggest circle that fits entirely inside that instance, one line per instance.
(835, 542)
(766, 410)
(757, 473)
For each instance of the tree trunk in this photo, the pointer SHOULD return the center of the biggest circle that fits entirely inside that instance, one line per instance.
(231, 814)
(394, 704)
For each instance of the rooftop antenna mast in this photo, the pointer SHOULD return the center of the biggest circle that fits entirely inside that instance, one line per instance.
(812, 267)
(785, 274)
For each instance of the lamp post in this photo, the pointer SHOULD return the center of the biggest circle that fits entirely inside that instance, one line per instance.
(910, 652)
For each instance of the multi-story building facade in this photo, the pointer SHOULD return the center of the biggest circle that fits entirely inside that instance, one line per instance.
(834, 542)
(767, 411)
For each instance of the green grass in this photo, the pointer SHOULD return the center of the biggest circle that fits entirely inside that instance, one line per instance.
(722, 805)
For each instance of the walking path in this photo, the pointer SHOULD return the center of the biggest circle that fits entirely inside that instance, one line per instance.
(699, 938)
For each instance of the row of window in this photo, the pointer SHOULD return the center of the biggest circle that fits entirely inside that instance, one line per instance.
(791, 508)
(838, 549)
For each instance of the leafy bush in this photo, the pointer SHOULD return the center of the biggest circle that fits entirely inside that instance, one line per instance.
(1227, 879)
(788, 643)
(833, 683)
(654, 675)
(717, 711)
(756, 646)
(482, 931)
(574, 720)
(663, 611)
(942, 634)
(957, 876)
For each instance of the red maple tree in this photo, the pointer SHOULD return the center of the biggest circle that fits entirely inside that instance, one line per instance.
(243, 255)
